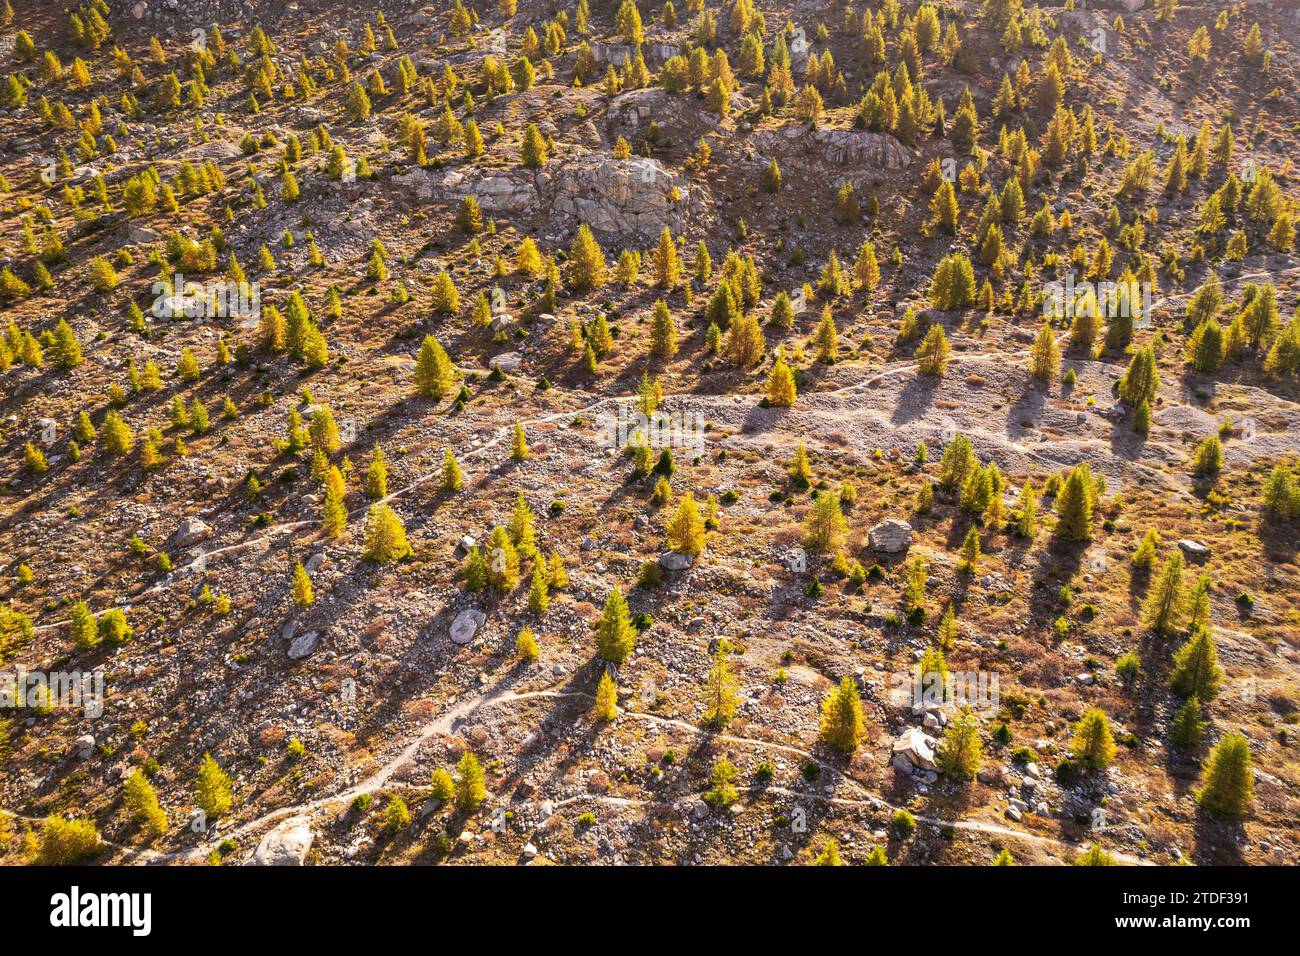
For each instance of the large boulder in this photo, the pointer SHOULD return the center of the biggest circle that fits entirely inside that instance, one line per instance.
(190, 532)
(1195, 550)
(286, 844)
(673, 561)
(913, 750)
(466, 625)
(302, 645)
(891, 536)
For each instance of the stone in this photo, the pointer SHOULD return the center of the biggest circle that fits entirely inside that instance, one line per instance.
(530, 851)
(1195, 550)
(190, 532)
(503, 322)
(466, 625)
(303, 645)
(621, 197)
(913, 749)
(287, 844)
(842, 147)
(672, 561)
(1013, 814)
(891, 536)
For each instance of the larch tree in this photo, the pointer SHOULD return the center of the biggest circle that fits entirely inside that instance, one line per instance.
(471, 783)
(586, 268)
(434, 373)
(721, 689)
(1196, 671)
(1074, 506)
(606, 708)
(212, 789)
(615, 635)
(686, 527)
(1093, 743)
(663, 335)
(1229, 785)
(385, 536)
(1162, 611)
(842, 724)
(781, 389)
(960, 751)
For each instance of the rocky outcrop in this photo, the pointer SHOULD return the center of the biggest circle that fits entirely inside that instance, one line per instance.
(681, 115)
(620, 196)
(505, 192)
(497, 191)
(841, 147)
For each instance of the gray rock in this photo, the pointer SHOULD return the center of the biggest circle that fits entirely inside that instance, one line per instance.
(891, 536)
(190, 532)
(466, 625)
(913, 749)
(1195, 550)
(843, 147)
(620, 197)
(508, 361)
(672, 561)
(287, 844)
(303, 645)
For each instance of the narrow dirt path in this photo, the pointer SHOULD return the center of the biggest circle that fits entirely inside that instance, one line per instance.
(446, 722)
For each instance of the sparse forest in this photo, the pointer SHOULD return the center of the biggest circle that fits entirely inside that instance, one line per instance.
(651, 431)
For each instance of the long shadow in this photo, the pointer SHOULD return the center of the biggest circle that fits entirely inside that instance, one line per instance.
(915, 399)
(1217, 842)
